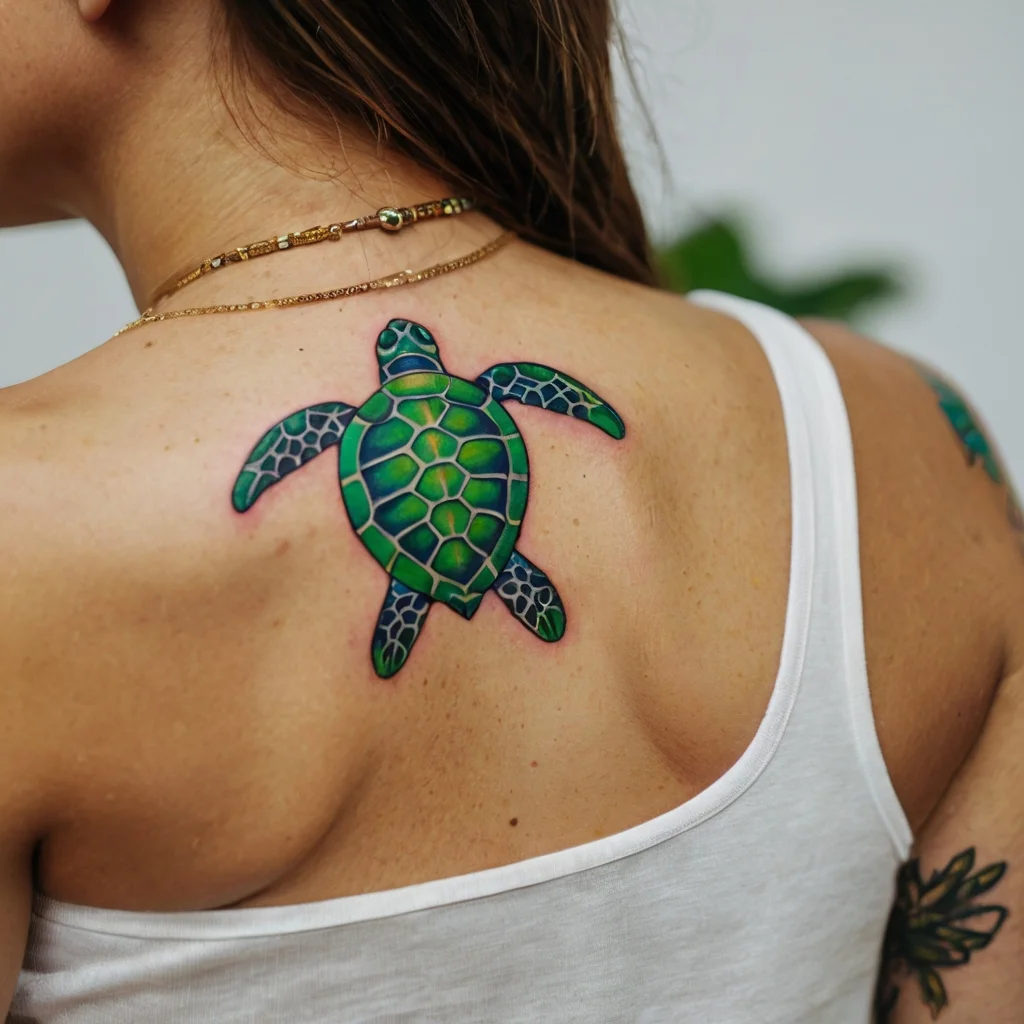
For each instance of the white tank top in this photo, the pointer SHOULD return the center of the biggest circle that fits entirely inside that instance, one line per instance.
(762, 900)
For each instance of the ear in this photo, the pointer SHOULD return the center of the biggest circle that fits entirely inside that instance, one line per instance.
(93, 10)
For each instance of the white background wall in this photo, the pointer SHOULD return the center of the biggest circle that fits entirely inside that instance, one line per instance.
(848, 129)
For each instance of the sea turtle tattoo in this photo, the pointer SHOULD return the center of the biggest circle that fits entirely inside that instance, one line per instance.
(434, 476)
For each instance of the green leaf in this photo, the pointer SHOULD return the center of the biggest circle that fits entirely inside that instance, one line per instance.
(932, 990)
(980, 882)
(925, 949)
(944, 882)
(716, 255)
(965, 939)
(966, 913)
(924, 919)
(909, 882)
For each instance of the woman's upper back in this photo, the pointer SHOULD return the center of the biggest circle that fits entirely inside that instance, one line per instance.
(189, 716)
(221, 662)
(196, 715)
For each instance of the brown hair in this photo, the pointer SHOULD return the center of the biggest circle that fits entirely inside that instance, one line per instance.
(510, 101)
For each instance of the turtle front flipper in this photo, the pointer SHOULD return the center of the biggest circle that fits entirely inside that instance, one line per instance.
(531, 597)
(533, 384)
(288, 446)
(398, 626)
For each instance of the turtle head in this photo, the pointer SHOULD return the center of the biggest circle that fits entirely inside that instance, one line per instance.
(406, 347)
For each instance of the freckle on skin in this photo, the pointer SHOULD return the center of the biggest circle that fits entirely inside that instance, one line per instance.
(149, 344)
(513, 822)
(533, 764)
(575, 522)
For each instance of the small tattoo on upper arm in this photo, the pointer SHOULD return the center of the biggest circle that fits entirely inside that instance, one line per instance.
(976, 445)
(934, 925)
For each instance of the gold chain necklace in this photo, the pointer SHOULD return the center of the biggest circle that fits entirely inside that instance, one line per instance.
(403, 277)
(388, 219)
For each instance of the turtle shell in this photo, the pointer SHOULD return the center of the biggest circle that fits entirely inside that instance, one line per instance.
(434, 476)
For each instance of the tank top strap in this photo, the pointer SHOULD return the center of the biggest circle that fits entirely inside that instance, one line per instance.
(825, 528)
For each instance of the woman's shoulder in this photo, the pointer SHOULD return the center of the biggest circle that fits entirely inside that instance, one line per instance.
(942, 560)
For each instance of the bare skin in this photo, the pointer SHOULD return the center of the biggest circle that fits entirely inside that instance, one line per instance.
(188, 714)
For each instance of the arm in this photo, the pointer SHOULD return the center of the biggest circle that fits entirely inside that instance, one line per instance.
(955, 943)
(15, 905)
(16, 840)
(17, 786)
(27, 708)
(944, 610)
(955, 940)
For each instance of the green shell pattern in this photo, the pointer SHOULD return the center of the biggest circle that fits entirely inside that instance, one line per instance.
(434, 476)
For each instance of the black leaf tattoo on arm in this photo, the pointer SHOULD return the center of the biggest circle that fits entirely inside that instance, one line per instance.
(936, 925)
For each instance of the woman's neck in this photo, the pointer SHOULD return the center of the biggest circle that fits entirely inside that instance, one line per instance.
(181, 173)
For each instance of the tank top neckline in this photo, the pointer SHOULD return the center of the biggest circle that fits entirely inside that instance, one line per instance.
(254, 922)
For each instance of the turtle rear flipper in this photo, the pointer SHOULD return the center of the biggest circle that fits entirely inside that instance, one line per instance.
(531, 597)
(288, 446)
(534, 384)
(398, 626)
